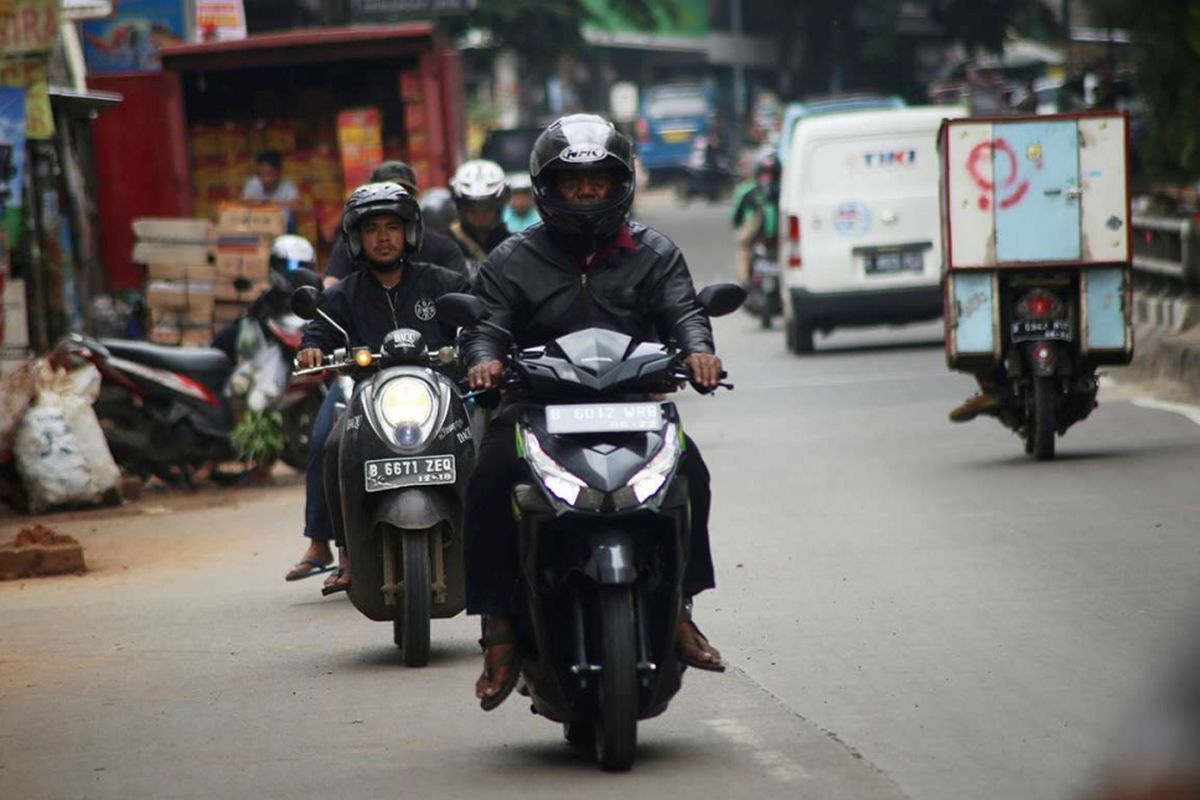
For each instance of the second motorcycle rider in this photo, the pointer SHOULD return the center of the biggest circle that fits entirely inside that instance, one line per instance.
(586, 267)
(382, 225)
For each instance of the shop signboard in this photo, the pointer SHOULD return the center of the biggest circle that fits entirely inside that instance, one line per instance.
(29, 74)
(220, 20)
(688, 22)
(130, 40)
(27, 26)
(360, 142)
(12, 157)
(394, 10)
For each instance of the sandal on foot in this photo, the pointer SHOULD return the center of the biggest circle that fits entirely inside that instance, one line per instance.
(512, 662)
(308, 567)
(697, 641)
(339, 583)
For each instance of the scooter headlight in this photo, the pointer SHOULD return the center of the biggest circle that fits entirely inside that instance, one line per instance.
(557, 479)
(408, 405)
(652, 477)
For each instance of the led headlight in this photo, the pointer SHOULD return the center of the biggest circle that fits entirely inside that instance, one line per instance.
(408, 406)
(554, 476)
(650, 478)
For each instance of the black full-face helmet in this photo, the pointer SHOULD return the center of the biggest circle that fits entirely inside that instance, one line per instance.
(373, 199)
(582, 142)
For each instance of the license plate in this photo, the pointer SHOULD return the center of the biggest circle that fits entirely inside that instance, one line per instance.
(1024, 330)
(394, 473)
(764, 267)
(676, 136)
(604, 418)
(896, 261)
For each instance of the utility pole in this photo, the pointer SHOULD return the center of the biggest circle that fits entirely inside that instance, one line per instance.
(739, 66)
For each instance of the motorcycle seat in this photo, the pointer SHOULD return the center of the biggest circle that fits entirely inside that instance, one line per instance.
(188, 360)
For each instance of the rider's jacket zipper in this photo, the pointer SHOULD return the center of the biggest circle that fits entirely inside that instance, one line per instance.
(388, 294)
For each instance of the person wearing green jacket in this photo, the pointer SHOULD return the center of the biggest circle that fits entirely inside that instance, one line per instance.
(756, 211)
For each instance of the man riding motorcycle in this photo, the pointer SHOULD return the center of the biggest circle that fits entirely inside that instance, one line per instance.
(382, 225)
(586, 267)
(436, 248)
(756, 211)
(480, 192)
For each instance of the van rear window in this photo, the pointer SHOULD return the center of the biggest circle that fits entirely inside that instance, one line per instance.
(872, 163)
(676, 105)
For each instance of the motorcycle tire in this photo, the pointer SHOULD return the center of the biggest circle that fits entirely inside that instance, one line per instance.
(616, 723)
(297, 430)
(1041, 428)
(410, 630)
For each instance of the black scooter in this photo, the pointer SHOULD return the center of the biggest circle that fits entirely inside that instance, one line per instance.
(398, 461)
(604, 524)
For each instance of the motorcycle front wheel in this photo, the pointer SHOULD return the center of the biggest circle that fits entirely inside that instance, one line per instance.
(297, 430)
(410, 630)
(616, 723)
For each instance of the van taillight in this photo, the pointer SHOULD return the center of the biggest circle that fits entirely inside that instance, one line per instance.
(643, 131)
(794, 241)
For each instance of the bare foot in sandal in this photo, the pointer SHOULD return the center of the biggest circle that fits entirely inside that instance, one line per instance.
(499, 663)
(339, 581)
(694, 649)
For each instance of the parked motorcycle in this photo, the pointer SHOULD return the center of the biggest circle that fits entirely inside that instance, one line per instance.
(400, 455)
(604, 524)
(166, 411)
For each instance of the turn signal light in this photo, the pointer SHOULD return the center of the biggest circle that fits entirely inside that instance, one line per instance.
(363, 357)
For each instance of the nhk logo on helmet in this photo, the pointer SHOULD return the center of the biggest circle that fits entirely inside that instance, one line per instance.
(583, 154)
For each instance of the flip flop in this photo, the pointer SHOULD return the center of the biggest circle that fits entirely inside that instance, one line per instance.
(699, 642)
(514, 670)
(315, 567)
(335, 588)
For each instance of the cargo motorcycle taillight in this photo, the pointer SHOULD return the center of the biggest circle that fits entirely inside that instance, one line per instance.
(1040, 304)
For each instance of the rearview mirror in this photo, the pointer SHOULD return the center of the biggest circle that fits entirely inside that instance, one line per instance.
(305, 302)
(460, 310)
(302, 276)
(721, 299)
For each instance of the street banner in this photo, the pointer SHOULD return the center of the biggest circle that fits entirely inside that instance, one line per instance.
(220, 20)
(360, 142)
(130, 40)
(12, 158)
(29, 74)
(27, 26)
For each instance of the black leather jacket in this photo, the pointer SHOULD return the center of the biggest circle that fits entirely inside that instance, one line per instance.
(532, 286)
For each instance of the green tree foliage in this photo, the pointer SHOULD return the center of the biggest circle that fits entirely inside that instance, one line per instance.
(542, 30)
(1166, 40)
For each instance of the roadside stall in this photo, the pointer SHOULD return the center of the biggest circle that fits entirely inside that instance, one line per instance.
(331, 102)
(1036, 244)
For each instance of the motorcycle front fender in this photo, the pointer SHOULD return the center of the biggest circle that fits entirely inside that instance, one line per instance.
(611, 557)
(416, 508)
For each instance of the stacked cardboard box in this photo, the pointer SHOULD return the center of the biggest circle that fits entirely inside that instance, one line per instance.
(244, 235)
(180, 278)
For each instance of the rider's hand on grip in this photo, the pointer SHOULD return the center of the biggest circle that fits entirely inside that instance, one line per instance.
(485, 374)
(706, 370)
(309, 357)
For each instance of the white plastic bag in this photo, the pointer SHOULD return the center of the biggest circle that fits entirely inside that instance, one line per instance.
(48, 457)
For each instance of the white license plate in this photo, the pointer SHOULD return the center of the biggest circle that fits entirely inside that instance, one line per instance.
(604, 418)
(1028, 330)
(395, 473)
(896, 261)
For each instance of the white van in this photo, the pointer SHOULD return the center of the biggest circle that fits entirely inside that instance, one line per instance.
(860, 240)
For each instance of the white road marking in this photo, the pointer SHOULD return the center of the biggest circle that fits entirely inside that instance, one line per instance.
(1183, 409)
(776, 764)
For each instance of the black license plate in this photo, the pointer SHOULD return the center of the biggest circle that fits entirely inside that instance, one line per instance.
(890, 261)
(395, 473)
(1026, 330)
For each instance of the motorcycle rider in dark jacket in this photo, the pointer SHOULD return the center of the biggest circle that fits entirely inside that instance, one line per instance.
(585, 267)
(436, 248)
(381, 224)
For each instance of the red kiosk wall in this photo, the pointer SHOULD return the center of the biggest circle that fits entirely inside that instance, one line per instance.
(141, 164)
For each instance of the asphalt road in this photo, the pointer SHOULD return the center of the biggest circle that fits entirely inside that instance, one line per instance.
(913, 609)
